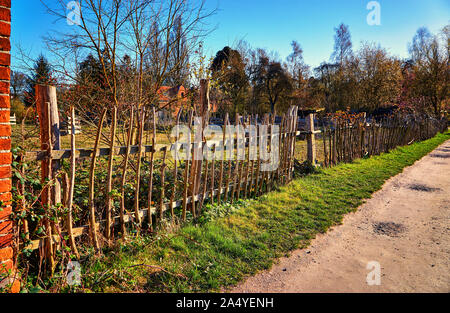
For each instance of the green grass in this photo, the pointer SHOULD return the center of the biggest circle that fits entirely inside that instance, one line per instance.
(232, 242)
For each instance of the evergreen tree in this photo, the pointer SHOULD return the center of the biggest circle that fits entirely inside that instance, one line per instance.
(91, 75)
(92, 89)
(41, 75)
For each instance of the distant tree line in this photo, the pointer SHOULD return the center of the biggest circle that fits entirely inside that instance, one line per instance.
(256, 81)
(163, 47)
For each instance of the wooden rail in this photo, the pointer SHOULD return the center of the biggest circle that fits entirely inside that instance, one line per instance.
(32, 156)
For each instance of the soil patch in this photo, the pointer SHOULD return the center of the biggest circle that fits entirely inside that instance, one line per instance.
(390, 229)
(424, 188)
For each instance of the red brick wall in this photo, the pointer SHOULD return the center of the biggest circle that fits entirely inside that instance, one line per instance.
(6, 251)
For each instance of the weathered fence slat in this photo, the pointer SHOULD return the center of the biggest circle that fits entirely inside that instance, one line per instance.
(109, 177)
(247, 168)
(124, 174)
(71, 182)
(192, 187)
(175, 169)
(205, 185)
(162, 187)
(186, 173)
(252, 166)
(240, 155)
(141, 122)
(213, 171)
(93, 229)
(222, 162)
(152, 166)
(227, 123)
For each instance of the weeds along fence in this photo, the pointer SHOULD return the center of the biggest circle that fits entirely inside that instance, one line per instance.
(68, 200)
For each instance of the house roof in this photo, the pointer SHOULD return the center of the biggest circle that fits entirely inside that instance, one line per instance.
(167, 93)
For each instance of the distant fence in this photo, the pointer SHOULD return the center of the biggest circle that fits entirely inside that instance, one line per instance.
(67, 126)
(13, 119)
(347, 139)
(123, 198)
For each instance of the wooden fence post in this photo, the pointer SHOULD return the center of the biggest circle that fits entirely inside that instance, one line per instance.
(311, 139)
(47, 108)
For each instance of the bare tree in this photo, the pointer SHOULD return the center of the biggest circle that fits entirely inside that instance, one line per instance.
(271, 81)
(299, 72)
(150, 33)
(431, 61)
(342, 45)
(379, 78)
(18, 83)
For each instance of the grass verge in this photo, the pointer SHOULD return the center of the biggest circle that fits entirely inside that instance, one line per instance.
(231, 242)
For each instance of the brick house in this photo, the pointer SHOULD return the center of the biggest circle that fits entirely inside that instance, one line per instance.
(175, 98)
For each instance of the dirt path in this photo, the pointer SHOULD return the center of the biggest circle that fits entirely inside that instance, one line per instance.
(405, 227)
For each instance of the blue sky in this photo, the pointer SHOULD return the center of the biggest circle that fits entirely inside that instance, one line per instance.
(273, 24)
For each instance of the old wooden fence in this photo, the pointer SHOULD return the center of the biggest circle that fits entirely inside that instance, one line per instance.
(171, 193)
(346, 139)
(183, 189)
